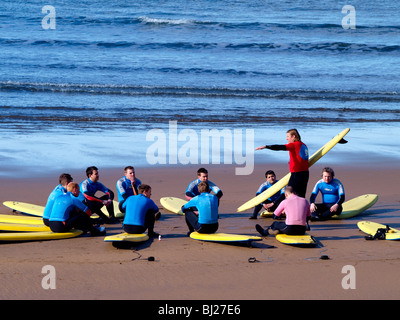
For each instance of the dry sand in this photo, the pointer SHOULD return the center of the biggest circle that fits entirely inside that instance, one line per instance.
(185, 269)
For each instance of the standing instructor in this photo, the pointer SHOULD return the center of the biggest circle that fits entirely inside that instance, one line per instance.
(298, 163)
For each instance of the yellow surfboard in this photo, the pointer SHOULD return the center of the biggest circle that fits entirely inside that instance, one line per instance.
(117, 212)
(37, 236)
(173, 204)
(127, 237)
(37, 210)
(303, 240)
(371, 228)
(223, 237)
(20, 227)
(27, 208)
(356, 206)
(20, 219)
(285, 180)
(351, 208)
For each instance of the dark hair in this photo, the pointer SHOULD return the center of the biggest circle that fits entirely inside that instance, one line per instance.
(269, 172)
(329, 170)
(129, 167)
(65, 178)
(144, 188)
(202, 170)
(89, 170)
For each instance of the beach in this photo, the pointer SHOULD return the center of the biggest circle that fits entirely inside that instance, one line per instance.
(186, 269)
(171, 86)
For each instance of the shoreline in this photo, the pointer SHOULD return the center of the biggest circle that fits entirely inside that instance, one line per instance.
(186, 269)
(35, 154)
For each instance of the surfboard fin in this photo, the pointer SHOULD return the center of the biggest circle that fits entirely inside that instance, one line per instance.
(342, 141)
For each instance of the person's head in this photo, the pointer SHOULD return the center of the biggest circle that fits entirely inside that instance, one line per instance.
(203, 187)
(92, 173)
(130, 173)
(293, 135)
(289, 191)
(202, 174)
(327, 174)
(73, 187)
(64, 179)
(270, 176)
(145, 189)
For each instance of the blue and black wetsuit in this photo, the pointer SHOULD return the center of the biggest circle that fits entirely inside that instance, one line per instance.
(58, 191)
(207, 220)
(332, 193)
(89, 189)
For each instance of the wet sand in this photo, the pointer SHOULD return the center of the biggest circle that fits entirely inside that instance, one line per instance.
(185, 269)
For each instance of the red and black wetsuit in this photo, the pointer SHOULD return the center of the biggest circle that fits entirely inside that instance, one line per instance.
(298, 165)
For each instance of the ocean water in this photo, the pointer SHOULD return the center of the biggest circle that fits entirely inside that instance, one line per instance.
(111, 74)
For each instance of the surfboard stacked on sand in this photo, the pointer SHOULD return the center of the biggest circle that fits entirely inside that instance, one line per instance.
(23, 228)
(32, 228)
(378, 231)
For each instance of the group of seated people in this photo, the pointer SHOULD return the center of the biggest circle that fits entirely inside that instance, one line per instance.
(70, 205)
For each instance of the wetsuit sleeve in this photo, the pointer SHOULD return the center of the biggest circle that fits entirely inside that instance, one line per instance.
(192, 203)
(315, 191)
(80, 205)
(121, 189)
(262, 188)
(91, 198)
(110, 194)
(281, 198)
(154, 207)
(107, 191)
(124, 205)
(85, 192)
(190, 194)
(189, 191)
(341, 192)
(278, 211)
(341, 200)
(276, 147)
(124, 196)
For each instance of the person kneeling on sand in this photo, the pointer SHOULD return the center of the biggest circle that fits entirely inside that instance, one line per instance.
(69, 212)
(297, 212)
(206, 204)
(140, 212)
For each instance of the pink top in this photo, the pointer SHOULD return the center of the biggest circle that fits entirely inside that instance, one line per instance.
(297, 210)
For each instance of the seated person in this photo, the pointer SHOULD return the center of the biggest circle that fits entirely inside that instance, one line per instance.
(206, 204)
(297, 211)
(69, 212)
(333, 196)
(202, 176)
(272, 202)
(140, 212)
(64, 179)
(89, 187)
(127, 186)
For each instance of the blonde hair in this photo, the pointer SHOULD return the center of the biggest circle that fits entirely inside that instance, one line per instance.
(71, 186)
(203, 187)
